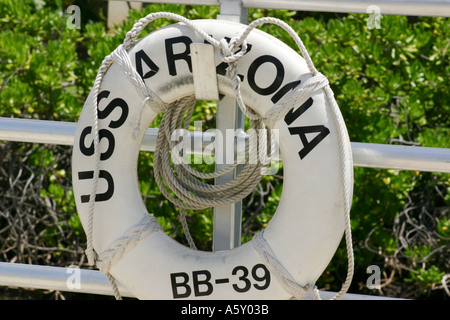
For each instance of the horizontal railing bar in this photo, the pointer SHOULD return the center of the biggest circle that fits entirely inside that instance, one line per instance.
(437, 8)
(383, 156)
(70, 279)
(74, 279)
(37, 131)
(399, 157)
(186, 2)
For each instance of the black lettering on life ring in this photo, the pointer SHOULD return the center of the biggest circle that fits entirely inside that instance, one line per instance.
(102, 133)
(291, 116)
(176, 284)
(221, 68)
(279, 76)
(140, 57)
(202, 282)
(323, 131)
(112, 105)
(103, 174)
(242, 278)
(309, 145)
(286, 88)
(172, 57)
(265, 277)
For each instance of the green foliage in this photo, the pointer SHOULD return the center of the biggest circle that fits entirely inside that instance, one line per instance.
(390, 83)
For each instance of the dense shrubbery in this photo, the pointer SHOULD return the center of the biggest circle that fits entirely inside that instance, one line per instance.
(391, 84)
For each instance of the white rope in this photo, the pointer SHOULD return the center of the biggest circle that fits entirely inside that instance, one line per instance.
(186, 181)
(126, 242)
(98, 80)
(316, 82)
(444, 283)
(190, 192)
(276, 268)
(295, 97)
(120, 56)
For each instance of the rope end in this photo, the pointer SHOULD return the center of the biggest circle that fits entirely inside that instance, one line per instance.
(91, 256)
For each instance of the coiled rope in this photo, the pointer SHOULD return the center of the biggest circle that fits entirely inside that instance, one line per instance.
(186, 182)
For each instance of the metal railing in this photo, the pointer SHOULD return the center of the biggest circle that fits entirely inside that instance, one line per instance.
(368, 155)
(364, 154)
(436, 8)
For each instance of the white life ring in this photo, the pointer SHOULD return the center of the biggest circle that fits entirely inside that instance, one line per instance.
(308, 224)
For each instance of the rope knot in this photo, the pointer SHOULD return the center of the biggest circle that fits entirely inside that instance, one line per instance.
(91, 255)
(295, 97)
(227, 50)
(276, 268)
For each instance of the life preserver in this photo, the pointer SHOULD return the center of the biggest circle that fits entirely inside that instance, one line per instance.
(308, 224)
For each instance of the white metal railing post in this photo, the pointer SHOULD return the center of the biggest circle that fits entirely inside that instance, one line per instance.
(227, 219)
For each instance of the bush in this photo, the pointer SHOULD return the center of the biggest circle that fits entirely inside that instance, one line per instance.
(390, 83)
